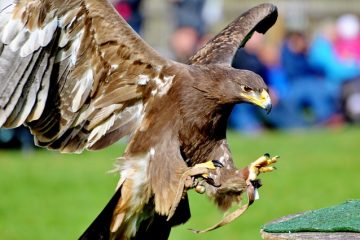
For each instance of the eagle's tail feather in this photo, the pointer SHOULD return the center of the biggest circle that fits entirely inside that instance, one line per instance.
(158, 227)
(145, 224)
(100, 227)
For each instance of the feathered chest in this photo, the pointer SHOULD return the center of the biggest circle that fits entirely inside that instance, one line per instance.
(200, 135)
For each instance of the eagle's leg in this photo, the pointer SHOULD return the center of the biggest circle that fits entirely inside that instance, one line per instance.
(262, 165)
(189, 180)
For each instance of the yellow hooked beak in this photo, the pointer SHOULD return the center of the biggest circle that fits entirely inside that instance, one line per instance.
(262, 100)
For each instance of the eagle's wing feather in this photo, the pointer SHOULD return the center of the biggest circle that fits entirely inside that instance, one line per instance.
(222, 48)
(73, 71)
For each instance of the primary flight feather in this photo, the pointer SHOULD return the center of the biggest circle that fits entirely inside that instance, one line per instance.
(79, 77)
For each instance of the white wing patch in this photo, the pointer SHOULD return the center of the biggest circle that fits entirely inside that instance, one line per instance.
(82, 89)
(47, 32)
(162, 85)
(40, 101)
(19, 37)
(152, 152)
(19, 41)
(101, 130)
(116, 120)
(75, 47)
(143, 79)
(11, 29)
(68, 19)
(72, 51)
(32, 44)
(104, 113)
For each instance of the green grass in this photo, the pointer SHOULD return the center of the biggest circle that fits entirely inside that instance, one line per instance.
(46, 195)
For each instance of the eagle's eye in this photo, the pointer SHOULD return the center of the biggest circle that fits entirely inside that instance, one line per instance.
(246, 88)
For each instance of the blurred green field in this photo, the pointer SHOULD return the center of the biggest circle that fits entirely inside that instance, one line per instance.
(47, 195)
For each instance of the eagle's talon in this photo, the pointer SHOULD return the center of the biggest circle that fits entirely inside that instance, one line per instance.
(212, 182)
(262, 165)
(211, 165)
(217, 163)
(266, 169)
(200, 189)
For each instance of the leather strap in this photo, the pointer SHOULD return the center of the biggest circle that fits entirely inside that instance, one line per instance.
(251, 188)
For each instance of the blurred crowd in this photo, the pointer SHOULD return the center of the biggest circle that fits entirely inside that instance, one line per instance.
(313, 77)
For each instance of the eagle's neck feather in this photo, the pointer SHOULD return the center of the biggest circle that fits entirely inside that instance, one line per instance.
(204, 122)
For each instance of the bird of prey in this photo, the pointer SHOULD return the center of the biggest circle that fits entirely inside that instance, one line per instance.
(79, 77)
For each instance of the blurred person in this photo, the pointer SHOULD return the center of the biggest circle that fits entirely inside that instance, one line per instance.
(309, 94)
(347, 47)
(336, 52)
(275, 76)
(283, 115)
(18, 138)
(350, 100)
(347, 42)
(212, 11)
(323, 56)
(190, 28)
(130, 10)
(248, 57)
(294, 57)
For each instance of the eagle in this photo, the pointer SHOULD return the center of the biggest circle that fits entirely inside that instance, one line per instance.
(77, 75)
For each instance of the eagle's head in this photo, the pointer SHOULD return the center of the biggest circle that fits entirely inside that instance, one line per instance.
(228, 85)
(248, 87)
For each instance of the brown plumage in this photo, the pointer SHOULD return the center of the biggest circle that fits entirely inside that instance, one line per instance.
(80, 78)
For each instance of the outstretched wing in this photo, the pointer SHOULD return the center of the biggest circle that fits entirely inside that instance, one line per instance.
(73, 71)
(222, 48)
